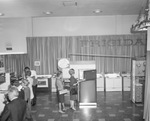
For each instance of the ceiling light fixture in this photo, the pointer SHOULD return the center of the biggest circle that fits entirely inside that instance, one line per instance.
(142, 22)
(97, 11)
(48, 13)
(2, 14)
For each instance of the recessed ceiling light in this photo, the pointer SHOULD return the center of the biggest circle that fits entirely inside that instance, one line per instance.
(48, 12)
(2, 14)
(97, 11)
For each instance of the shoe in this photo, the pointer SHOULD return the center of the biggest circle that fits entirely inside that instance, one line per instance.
(33, 104)
(60, 111)
(64, 109)
(73, 108)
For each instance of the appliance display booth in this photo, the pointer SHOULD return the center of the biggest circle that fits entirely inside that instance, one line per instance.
(87, 89)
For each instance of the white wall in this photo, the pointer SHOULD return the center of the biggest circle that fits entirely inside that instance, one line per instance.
(87, 25)
(15, 30)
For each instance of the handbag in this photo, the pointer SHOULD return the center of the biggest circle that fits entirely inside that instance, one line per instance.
(64, 91)
(74, 91)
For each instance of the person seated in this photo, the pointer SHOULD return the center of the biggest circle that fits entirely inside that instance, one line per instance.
(15, 110)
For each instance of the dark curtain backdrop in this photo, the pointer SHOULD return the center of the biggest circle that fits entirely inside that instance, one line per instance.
(112, 53)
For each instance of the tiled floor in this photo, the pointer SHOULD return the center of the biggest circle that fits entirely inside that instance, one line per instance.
(112, 106)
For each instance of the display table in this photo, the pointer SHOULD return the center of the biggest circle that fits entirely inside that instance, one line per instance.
(100, 82)
(44, 83)
(126, 82)
(113, 82)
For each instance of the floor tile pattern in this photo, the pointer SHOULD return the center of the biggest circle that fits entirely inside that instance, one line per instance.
(112, 106)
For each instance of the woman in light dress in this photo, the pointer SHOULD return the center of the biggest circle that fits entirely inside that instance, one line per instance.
(60, 86)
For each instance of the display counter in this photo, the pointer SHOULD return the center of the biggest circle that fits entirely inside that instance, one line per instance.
(113, 82)
(87, 93)
(44, 83)
(100, 82)
(126, 82)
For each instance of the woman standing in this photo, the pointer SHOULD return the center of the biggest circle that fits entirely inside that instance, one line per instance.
(60, 86)
(73, 91)
(30, 80)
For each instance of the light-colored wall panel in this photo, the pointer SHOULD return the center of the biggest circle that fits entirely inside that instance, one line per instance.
(89, 25)
(15, 30)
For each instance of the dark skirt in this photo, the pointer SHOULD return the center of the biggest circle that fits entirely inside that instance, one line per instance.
(73, 94)
(73, 97)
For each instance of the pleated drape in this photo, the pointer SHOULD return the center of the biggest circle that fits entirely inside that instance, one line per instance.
(47, 50)
(112, 53)
(118, 50)
(16, 63)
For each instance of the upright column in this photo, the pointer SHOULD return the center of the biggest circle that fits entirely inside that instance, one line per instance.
(146, 115)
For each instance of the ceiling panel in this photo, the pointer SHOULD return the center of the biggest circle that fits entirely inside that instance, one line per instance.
(36, 8)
